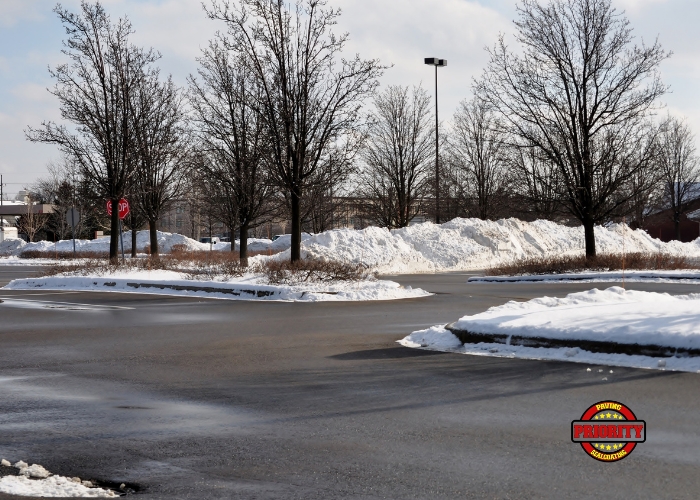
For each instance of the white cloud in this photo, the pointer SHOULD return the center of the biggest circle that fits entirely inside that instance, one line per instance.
(634, 6)
(13, 11)
(406, 31)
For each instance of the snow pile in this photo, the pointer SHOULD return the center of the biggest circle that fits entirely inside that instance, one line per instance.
(248, 287)
(11, 246)
(166, 242)
(466, 244)
(35, 481)
(437, 339)
(612, 315)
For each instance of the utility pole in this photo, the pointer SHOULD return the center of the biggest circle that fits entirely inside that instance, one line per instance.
(434, 61)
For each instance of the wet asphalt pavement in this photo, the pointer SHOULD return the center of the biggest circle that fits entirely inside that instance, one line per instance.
(199, 399)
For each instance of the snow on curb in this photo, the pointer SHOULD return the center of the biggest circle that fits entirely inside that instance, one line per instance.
(440, 339)
(597, 277)
(36, 481)
(244, 290)
(591, 325)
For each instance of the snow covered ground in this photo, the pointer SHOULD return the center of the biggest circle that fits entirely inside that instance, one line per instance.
(458, 245)
(249, 287)
(612, 315)
(35, 481)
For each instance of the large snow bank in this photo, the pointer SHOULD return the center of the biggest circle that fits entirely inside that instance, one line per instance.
(466, 244)
(458, 245)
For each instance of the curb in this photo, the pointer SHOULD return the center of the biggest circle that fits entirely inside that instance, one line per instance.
(557, 278)
(467, 337)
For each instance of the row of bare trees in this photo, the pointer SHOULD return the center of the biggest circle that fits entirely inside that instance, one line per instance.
(277, 123)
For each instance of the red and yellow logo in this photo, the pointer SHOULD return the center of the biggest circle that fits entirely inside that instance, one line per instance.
(608, 431)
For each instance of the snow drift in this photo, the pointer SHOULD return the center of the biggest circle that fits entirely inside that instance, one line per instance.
(468, 244)
(458, 245)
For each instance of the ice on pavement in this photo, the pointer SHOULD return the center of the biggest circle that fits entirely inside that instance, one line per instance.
(36, 481)
(611, 315)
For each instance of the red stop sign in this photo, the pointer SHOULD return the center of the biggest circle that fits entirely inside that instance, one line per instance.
(123, 208)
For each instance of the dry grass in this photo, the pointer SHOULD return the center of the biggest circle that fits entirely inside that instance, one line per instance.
(605, 262)
(35, 254)
(310, 270)
(219, 266)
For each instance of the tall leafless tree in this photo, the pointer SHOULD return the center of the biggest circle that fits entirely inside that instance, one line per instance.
(94, 91)
(397, 157)
(311, 97)
(580, 92)
(537, 185)
(161, 146)
(479, 159)
(680, 168)
(234, 140)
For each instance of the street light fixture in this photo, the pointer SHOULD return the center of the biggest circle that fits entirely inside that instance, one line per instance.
(434, 61)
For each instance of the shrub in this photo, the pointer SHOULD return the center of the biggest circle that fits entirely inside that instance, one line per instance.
(311, 270)
(603, 262)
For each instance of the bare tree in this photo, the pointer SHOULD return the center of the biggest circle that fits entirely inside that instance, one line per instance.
(397, 157)
(311, 97)
(680, 169)
(234, 140)
(580, 93)
(31, 221)
(478, 156)
(537, 186)
(161, 143)
(94, 91)
(58, 190)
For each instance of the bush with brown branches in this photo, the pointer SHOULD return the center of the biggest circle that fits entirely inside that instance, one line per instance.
(602, 262)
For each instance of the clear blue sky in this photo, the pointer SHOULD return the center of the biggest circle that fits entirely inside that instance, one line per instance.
(401, 32)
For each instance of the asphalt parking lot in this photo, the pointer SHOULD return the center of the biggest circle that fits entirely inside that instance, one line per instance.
(201, 398)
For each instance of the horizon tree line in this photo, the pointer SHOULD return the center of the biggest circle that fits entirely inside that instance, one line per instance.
(277, 124)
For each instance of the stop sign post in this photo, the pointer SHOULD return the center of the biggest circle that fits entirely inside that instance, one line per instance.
(73, 218)
(124, 209)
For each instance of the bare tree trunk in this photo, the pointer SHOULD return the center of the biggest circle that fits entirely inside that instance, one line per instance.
(244, 244)
(296, 226)
(114, 232)
(589, 238)
(153, 230)
(677, 225)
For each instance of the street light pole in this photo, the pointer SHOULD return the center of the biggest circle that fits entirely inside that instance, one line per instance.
(434, 61)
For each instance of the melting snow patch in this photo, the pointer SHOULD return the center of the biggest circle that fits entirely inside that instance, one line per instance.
(36, 481)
